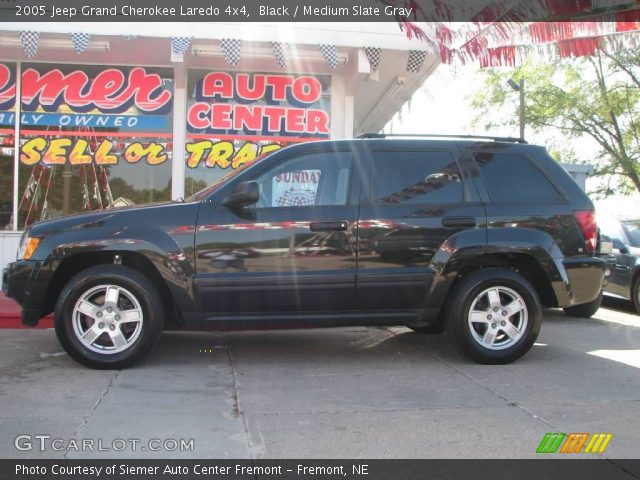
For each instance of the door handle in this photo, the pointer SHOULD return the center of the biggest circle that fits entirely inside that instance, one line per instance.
(459, 222)
(339, 226)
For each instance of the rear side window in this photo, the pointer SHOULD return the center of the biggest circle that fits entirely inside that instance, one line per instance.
(415, 177)
(514, 179)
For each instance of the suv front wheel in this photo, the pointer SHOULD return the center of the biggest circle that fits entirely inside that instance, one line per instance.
(109, 317)
(494, 316)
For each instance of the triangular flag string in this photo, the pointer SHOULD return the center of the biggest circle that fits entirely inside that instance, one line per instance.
(180, 44)
(231, 50)
(80, 41)
(373, 55)
(29, 40)
(330, 53)
(281, 52)
(416, 60)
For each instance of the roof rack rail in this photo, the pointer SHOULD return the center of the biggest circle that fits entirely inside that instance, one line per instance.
(423, 135)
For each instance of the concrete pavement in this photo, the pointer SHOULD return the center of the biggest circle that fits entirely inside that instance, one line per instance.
(334, 393)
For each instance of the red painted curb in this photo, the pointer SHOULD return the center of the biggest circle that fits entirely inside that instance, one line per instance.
(10, 315)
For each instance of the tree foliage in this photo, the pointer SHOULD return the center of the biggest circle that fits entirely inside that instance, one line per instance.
(596, 97)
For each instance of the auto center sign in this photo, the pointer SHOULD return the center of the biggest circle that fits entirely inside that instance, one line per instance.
(260, 104)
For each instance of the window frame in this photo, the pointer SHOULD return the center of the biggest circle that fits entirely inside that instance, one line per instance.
(455, 156)
(481, 176)
(278, 159)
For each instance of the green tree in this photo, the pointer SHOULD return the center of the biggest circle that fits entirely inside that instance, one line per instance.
(596, 97)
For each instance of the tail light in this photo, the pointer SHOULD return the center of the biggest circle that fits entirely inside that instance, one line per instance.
(586, 220)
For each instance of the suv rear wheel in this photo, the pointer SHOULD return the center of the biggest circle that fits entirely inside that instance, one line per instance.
(494, 316)
(109, 317)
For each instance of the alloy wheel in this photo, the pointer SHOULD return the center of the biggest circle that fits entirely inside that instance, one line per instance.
(498, 318)
(107, 319)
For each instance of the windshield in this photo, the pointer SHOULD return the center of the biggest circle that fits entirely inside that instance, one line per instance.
(205, 192)
(633, 232)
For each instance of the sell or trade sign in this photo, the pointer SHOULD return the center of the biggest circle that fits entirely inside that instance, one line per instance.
(208, 153)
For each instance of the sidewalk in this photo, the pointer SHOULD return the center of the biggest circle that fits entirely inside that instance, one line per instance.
(10, 315)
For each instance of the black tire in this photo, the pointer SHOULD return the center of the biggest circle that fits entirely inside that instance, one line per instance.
(431, 329)
(135, 284)
(461, 300)
(585, 310)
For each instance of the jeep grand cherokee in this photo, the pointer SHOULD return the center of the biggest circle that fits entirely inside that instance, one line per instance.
(472, 236)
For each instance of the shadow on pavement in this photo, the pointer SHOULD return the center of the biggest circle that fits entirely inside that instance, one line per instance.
(618, 304)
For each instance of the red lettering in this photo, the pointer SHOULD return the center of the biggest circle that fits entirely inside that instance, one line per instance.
(307, 89)
(295, 120)
(274, 115)
(247, 93)
(217, 83)
(197, 115)
(221, 116)
(279, 84)
(77, 90)
(249, 117)
(107, 83)
(48, 87)
(317, 121)
(143, 86)
(7, 92)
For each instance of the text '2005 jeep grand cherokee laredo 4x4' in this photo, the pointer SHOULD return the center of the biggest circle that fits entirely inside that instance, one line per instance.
(471, 236)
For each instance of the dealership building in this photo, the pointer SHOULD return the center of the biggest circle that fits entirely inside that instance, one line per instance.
(118, 114)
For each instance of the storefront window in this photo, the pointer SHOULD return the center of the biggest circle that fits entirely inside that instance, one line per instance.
(93, 137)
(7, 125)
(234, 118)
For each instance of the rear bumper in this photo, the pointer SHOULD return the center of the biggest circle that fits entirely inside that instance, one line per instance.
(582, 282)
(23, 282)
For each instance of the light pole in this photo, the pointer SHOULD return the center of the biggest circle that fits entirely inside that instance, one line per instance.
(519, 87)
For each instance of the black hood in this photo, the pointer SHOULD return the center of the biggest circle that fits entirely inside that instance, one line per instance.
(139, 214)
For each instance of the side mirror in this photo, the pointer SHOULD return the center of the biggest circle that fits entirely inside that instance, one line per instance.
(246, 193)
(618, 245)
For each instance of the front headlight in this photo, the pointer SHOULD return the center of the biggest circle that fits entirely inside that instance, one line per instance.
(27, 247)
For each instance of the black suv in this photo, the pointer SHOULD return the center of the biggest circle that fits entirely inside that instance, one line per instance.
(473, 236)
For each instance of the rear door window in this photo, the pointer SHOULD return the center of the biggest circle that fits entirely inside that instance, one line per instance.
(415, 176)
(515, 179)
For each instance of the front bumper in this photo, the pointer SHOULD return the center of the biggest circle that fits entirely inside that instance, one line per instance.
(5, 284)
(24, 282)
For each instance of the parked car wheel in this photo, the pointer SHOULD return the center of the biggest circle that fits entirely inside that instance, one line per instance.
(431, 329)
(109, 317)
(585, 310)
(494, 316)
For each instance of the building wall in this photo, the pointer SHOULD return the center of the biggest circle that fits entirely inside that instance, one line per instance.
(9, 242)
